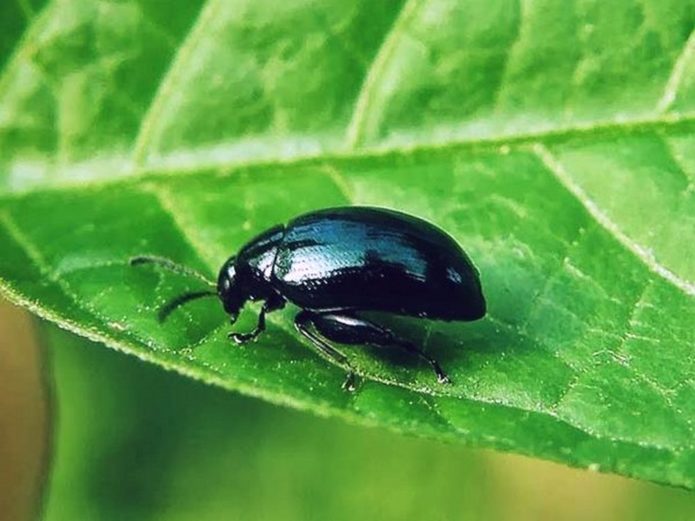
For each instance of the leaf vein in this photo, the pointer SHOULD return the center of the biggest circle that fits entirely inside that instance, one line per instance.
(557, 170)
(338, 179)
(170, 82)
(175, 213)
(364, 104)
(37, 24)
(522, 6)
(677, 161)
(675, 78)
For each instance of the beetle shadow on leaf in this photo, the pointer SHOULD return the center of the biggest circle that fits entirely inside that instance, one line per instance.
(470, 343)
(453, 344)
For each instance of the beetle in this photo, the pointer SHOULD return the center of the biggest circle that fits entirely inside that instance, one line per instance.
(335, 264)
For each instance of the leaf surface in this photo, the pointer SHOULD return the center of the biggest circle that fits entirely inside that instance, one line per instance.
(553, 142)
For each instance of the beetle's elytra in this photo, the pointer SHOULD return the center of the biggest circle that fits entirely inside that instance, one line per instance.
(339, 262)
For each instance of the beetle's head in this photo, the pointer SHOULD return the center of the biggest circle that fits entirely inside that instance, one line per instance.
(229, 289)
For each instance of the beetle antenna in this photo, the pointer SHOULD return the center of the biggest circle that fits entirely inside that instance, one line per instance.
(171, 266)
(170, 306)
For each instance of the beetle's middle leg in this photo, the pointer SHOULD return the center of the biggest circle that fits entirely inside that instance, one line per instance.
(302, 322)
(346, 328)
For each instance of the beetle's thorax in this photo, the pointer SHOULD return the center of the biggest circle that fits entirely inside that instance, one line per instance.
(257, 258)
(248, 275)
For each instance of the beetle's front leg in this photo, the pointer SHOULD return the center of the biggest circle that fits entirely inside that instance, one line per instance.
(269, 305)
(242, 338)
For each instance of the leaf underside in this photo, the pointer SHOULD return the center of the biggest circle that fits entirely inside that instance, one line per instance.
(554, 143)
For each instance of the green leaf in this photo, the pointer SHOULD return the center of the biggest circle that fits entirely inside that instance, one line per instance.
(553, 141)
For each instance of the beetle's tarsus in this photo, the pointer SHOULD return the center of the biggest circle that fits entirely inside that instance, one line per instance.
(242, 338)
(442, 378)
(350, 383)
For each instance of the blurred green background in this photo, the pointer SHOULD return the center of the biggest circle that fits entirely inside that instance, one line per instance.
(133, 442)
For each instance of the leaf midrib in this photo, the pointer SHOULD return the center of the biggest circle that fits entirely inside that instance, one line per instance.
(608, 129)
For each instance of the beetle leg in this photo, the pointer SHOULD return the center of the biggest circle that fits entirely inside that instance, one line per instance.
(302, 322)
(268, 306)
(442, 377)
(349, 329)
(242, 338)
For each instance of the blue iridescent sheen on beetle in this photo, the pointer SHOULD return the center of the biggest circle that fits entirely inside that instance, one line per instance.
(335, 264)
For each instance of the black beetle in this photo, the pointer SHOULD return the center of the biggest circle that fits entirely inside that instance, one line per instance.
(338, 262)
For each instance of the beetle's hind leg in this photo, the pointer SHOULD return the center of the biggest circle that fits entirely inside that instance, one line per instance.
(442, 377)
(302, 322)
(349, 329)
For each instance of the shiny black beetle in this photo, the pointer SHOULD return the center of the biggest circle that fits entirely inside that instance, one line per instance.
(339, 262)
